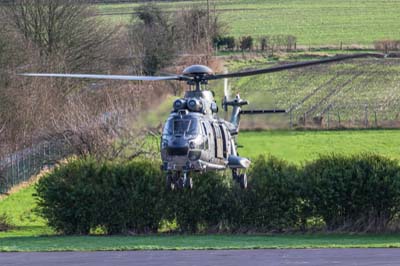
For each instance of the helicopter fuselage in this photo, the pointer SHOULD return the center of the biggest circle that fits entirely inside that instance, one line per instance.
(195, 139)
(193, 142)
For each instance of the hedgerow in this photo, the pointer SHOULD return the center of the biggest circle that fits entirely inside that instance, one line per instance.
(349, 193)
(354, 193)
(118, 197)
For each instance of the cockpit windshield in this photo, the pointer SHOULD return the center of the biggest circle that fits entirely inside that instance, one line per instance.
(178, 126)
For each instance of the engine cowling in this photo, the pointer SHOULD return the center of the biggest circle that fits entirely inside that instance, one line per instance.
(195, 105)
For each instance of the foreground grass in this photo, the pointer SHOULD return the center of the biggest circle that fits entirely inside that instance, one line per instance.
(299, 146)
(197, 242)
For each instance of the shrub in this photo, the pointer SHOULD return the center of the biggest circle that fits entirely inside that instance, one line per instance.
(387, 45)
(205, 206)
(356, 193)
(352, 193)
(246, 43)
(227, 42)
(271, 201)
(5, 223)
(85, 194)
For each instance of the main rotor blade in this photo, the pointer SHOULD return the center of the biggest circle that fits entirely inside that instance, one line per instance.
(293, 65)
(108, 77)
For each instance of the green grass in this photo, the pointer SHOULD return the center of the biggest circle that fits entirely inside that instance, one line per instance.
(19, 209)
(182, 242)
(313, 22)
(299, 146)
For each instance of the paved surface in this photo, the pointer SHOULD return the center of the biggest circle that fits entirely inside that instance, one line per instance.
(320, 257)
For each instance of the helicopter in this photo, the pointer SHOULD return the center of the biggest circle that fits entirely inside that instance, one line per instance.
(194, 138)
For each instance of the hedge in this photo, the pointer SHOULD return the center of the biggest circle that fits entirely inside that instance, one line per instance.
(348, 193)
(356, 193)
(119, 197)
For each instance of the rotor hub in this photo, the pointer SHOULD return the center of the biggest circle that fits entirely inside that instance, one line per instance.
(197, 71)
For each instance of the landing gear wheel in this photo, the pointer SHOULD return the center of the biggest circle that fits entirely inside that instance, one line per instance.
(168, 183)
(188, 183)
(179, 183)
(235, 175)
(243, 181)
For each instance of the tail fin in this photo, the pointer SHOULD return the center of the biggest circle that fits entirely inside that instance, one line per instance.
(237, 104)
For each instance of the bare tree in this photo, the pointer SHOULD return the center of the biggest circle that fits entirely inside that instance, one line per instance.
(102, 124)
(151, 39)
(61, 29)
(196, 28)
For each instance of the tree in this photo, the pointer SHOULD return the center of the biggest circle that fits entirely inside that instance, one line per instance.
(246, 43)
(61, 30)
(196, 29)
(152, 39)
(44, 35)
(264, 40)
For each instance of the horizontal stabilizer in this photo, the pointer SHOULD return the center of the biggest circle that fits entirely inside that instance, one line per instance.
(238, 162)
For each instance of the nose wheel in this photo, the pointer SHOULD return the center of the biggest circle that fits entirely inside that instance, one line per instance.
(179, 180)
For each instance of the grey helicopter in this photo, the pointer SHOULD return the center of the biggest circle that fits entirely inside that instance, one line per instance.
(194, 137)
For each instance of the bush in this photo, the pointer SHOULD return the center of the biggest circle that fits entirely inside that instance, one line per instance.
(205, 206)
(5, 223)
(351, 193)
(246, 43)
(118, 197)
(227, 42)
(272, 200)
(356, 193)
(387, 45)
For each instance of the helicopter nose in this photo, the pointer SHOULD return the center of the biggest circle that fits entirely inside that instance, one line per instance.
(178, 146)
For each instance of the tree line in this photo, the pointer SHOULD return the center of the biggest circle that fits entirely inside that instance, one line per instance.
(266, 43)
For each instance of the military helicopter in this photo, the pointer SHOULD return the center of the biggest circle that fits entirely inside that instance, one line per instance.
(195, 138)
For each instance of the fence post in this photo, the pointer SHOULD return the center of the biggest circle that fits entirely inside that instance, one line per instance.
(366, 115)
(376, 119)
(329, 117)
(291, 119)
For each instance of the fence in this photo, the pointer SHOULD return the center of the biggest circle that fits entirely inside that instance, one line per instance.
(20, 166)
(348, 116)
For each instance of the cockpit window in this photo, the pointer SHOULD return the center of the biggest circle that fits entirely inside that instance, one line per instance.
(181, 127)
(185, 127)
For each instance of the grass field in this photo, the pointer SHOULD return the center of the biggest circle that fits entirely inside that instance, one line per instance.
(299, 146)
(313, 22)
(348, 92)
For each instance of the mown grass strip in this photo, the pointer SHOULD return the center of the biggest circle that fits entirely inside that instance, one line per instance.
(195, 242)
